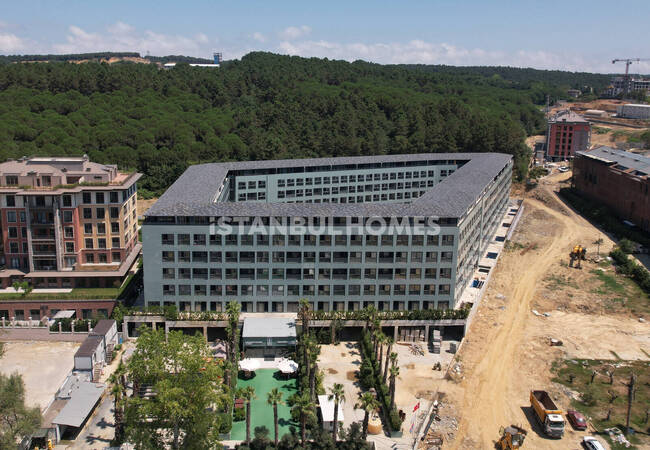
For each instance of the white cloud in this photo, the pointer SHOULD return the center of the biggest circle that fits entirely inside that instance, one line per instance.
(422, 52)
(10, 43)
(259, 37)
(291, 33)
(123, 37)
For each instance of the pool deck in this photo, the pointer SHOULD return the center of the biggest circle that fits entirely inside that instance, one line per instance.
(261, 412)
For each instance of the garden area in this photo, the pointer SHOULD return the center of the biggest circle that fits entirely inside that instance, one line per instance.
(264, 381)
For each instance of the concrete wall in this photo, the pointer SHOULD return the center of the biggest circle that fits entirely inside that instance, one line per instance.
(39, 334)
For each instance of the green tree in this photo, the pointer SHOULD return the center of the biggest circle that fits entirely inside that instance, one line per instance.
(182, 384)
(118, 391)
(598, 242)
(337, 394)
(274, 398)
(368, 403)
(394, 373)
(232, 330)
(17, 421)
(248, 394)
(390, 343)
(305, 408)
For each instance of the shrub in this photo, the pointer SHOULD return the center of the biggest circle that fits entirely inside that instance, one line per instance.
(626, 246)
(239, 414)
(225, 422)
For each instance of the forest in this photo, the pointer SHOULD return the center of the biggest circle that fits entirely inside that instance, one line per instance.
(267, 106)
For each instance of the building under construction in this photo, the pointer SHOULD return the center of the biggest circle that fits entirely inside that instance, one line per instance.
(567, 134)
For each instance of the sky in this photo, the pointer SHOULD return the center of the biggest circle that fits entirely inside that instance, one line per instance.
(574, 35)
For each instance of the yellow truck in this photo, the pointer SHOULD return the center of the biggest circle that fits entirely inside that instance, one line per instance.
(548, 414)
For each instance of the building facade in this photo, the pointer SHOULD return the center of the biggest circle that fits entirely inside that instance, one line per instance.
(623, 84)
(398, 232)
(67, 222)
(616, 178)
(633, 111)
(567, 134)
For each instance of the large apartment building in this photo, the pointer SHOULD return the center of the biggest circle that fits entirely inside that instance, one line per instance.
(567, 134)
(67, 222)
(398, 232)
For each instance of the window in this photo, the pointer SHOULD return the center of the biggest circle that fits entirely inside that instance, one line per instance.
(184, 256)
(69, 247)
(184, 289)
(200, 289)
(11, 216)
(67, 216)
(102, 258)
(11, 201)
(13, 247)
(114, 197)
(88, 213)
(167, 239)
(101, 228)
(87, 197)
(90, 258)
(168, 256)
(184, 273)
(116, 256)
(101, 213)
(183, 239)
(114, 212)
(89, 243)
(99, 197)
(101, 243)
(169, 289)
(199, 239)
(115, 227)
(88, 228)
(115, 242)
(12, 180)
(13, 232)
(68, 232)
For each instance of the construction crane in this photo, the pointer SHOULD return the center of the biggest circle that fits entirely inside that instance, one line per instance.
(627, 62)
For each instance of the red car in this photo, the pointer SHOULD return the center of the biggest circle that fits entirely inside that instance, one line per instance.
(577, 420)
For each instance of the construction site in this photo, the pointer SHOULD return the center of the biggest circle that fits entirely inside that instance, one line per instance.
(554, 301)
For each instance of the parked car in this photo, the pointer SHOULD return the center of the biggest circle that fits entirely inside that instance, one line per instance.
(563, 169)
(576, 419)
(591, 443)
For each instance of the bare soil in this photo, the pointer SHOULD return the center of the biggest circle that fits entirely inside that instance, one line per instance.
(507, 353)
(144, 205)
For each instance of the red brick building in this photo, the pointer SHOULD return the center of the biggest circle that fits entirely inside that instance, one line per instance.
(567, 134)
(67, 222)
(38, 309)
(616, 178)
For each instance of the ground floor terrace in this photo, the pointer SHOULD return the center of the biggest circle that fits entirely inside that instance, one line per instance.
(330, 330)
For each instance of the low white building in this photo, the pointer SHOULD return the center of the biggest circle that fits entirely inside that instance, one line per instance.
(326, 407)
(633, 111)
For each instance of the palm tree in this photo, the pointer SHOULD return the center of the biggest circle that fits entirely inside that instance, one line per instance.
(305, 408)
(599, 242)
(390, 342)
(337, 393)
(274, 398)
(248, 394)
(368, 403)
(118, 391)
(313, 361)
(382, 340)
(394, 373)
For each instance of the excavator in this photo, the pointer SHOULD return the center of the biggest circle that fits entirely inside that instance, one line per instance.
(577, 254)
(512, 437)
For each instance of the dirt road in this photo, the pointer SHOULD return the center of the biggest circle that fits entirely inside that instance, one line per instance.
(499, 361)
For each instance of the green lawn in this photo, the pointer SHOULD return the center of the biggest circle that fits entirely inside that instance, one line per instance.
(261, 412)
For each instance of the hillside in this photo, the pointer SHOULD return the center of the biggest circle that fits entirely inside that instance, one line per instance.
(266, 106)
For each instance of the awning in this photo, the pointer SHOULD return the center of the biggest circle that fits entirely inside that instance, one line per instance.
(327, 409)
(65, 314)
(83, 398)
(269, 327)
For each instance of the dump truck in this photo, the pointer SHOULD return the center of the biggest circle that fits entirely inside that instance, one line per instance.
(548, 414)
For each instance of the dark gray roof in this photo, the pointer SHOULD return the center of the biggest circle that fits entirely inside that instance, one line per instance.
(83, 398)
(628, 160)
(103, 327)
(194, 193)
(88, 346)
